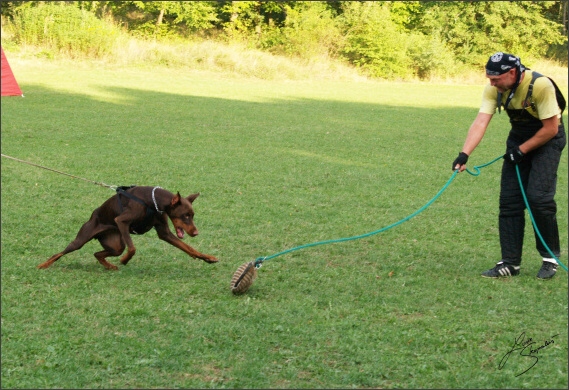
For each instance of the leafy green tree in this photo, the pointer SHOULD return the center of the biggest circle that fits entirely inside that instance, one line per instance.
(239, 17)
(246, 19)
(373, 41)
(194, 15)
(389, 39)
(475, 29)
(310, 31)
(162, 18)
(405, 13)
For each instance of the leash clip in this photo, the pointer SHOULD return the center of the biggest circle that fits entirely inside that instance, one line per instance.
(259, 262)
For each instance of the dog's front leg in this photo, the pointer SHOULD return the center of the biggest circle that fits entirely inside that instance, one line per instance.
(169, 237)
(123, 223)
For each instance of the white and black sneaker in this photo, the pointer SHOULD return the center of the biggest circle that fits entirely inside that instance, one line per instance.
(547, 270)
(502, 270)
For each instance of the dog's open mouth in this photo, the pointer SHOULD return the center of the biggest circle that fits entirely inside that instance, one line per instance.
(180, 232)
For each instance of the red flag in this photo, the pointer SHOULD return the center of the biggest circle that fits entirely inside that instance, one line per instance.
(9, 84)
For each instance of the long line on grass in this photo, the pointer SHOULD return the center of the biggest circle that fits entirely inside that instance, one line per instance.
(475, 172)
(62, 173)
(260, 260)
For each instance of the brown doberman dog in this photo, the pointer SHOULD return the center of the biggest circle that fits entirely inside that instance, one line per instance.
(136, 210)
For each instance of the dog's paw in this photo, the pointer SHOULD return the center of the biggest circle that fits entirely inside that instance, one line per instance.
(210, 259)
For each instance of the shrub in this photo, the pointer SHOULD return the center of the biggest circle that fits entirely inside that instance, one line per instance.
(373, 41)
(310, 32)
(64, 28)
(430, 57)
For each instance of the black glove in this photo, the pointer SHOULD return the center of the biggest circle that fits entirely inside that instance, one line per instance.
(514, 155)
(460, 160)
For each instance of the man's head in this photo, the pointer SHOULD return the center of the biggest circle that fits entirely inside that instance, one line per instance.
(504, 71)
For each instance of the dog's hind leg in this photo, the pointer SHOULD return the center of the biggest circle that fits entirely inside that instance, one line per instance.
(123, 223)
(85, 234)
(82, 238)
(113, 246)
(73, 246)
(51, 260)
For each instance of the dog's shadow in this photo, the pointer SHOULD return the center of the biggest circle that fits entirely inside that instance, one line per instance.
(125, 271)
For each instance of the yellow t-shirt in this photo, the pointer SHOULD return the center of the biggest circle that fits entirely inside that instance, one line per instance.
(543, 97)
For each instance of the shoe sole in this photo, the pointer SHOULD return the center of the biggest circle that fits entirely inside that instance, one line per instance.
(499, 277)
(549, 278)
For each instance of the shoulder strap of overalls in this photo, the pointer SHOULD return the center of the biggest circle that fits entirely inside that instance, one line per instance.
(561, 102)
(534, 76)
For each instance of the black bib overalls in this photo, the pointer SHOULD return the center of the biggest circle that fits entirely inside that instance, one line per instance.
(538, 171)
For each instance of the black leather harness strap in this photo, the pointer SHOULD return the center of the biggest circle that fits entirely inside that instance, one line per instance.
(146, 224)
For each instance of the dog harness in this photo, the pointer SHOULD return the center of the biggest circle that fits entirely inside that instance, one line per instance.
(146, 224)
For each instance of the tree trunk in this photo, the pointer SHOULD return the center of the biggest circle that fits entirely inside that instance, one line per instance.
(564, 10)
(160, 17)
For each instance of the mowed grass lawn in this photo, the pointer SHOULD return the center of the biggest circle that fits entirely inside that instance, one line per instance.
(278, 164)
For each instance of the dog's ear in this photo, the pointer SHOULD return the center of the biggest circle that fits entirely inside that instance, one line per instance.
(175, 200)
(193, 197)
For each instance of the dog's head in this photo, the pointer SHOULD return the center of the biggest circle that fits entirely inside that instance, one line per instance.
(181, 214)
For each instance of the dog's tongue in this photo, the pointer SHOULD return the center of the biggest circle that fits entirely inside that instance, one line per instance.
(180, 233)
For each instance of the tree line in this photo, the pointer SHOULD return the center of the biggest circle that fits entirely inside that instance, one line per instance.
(389, 39)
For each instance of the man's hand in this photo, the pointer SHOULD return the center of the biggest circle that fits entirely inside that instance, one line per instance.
(514, 155)
(460, 161)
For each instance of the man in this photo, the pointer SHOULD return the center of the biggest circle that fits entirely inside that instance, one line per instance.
(534, 145)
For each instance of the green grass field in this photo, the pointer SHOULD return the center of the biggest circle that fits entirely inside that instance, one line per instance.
(278, 164)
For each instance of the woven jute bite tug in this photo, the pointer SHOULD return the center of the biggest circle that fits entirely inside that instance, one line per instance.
(243, 278)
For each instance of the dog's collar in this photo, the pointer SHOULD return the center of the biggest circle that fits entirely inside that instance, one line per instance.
(154, 200)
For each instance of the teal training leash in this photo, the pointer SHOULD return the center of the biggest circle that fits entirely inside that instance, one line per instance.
(476, 172)
(259, 261)
(533, 221)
